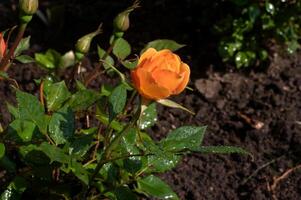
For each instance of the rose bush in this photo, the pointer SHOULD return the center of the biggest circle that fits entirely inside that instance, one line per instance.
(160, 74)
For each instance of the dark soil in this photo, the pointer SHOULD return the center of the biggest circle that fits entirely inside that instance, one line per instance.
(259, 109)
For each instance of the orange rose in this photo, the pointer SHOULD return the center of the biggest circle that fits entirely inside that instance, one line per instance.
(2, 46)
(160, 74)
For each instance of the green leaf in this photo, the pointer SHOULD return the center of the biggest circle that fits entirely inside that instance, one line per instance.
(50, 60)
(154, 186)
(62, 125)
(132, 165)
(14, 189)
(30, 109)
(124, 193)
(163, 44)
(79, 171)
(83, 99)
(13, 111)
(22, 46)
(148, 117)
(159, 160)
(185, 137)
(117, 101)
(4, 75)
(254, 12)
(241, 60)
(56, 94)
(44, 60)
(25, 59)
(54, 153)
(23, 128)
(7, 164)
(269, 7)
(2, 150)
(219, 149)
(121, 49)
(108, 58)
(81, 145)
(172, 104)
(33, 155)
(67, 60)
(114, 124)
(130, 64)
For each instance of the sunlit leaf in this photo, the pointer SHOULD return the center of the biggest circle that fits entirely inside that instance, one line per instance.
(163, 44)
(22, 46)
(121, 49)
(155, 187)
(185, 137)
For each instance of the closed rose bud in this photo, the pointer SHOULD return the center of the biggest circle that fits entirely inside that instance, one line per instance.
(83, 44)
(160, 74)
(122, 21)
(28, 7)
(2, 46)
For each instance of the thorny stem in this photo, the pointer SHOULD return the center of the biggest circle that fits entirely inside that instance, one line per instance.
(96, 72)
(5, 62)
(107, 153)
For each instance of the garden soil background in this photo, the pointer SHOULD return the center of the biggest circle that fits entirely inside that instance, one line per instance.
(258, 109)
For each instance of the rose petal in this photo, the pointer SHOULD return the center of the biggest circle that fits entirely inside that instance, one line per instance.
(167, 60)
(167, 79)
(147, 55)
(147, 87)
(185, 73)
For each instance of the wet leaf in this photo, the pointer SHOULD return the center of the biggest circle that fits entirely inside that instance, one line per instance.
(32, 110)
(117, 101)
(148, 117)
(83, 99)
(62, 125)
(23, 128)
(185, 137)
(15, 189)
(219, 149)
(56, 94)
(155, 187)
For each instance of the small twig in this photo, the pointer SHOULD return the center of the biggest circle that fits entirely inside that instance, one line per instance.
(97, 142)
(260, 168)
(272, 188)
(42, 93)
(96, 72)
(252, 122)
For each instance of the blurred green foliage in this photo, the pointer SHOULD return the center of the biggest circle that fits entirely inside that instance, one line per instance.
(245, 32)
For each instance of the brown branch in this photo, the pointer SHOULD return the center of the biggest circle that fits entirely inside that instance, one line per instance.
(5, 62)
(272, 188)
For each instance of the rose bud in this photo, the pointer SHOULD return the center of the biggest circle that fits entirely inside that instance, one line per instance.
(83, 44)
(28, 7)
(122, 21)
(160, 74)
(2, 46)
